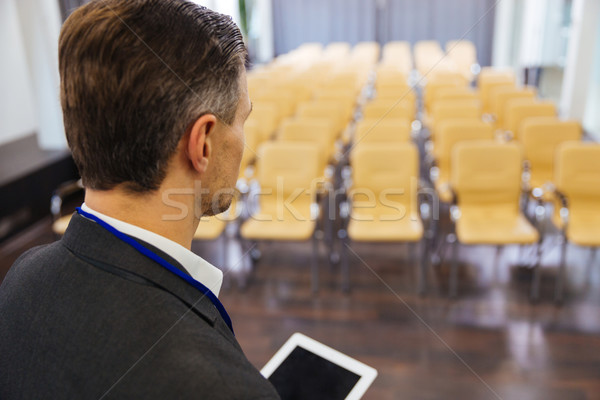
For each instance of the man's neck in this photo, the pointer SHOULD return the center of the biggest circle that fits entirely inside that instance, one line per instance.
(148, 211)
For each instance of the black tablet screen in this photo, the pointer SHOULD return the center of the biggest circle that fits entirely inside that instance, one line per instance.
(305, 375)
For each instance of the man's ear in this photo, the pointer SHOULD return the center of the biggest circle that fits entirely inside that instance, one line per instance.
(199, 146)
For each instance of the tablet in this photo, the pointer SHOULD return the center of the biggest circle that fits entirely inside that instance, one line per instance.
(306, 369)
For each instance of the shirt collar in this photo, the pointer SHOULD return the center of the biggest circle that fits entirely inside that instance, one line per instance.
(200, 269)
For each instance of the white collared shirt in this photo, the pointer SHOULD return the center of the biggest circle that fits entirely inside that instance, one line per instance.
(200, 269)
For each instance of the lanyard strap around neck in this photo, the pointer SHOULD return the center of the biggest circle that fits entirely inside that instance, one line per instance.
(164, 263)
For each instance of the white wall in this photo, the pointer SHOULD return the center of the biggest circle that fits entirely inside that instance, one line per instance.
(580, 56)
(17, 115)
(29, 80)
(591, 119)
(40, 27)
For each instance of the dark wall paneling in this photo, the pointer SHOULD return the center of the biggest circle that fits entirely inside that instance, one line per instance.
(327, 21)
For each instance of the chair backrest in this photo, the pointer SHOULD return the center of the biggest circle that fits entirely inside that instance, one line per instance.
(541, 136)
(317, 132)
(433, 88)
(578, 173)
(396, 93)
(492, 74)
(488, 80)
(388, 168)
(330, 110)
(337, 94)
(368, 51)
(426, 54)
(447, 75)
(286, 101)
(343, 80)
(388, 130)
(487, 173)
(456, 93)
(463, 53)
(518, 110)
(398, 52)
(456, 109)
(501, 95)
(453, 131)
(287, 166)
(388, 108)
(265, 115)
(390, 78)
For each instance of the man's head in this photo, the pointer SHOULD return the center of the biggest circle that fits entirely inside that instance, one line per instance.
(145, 80)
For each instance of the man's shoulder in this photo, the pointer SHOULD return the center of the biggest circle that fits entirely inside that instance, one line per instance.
(34, 260)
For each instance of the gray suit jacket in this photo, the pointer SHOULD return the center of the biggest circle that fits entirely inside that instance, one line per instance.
(70, 328)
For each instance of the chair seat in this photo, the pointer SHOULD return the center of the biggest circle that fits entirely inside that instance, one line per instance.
(210, 228)
(583, 228)
(385, 228)
(495, 227)
(60, 225)
(297, 230)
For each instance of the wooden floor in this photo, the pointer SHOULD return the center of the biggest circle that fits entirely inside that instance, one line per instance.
(489, 343)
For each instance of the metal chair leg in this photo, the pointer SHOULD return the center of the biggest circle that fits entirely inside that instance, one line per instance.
(315, 265)
(558, 290)
(345, 269)
(535, 283)
(422, 285)
(454, 269)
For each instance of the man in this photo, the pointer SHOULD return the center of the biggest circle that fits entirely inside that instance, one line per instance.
(154, 98)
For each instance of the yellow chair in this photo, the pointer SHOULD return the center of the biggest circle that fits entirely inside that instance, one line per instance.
(464, 55)
(390, 78)
(388, 130)
(541, 136)
(365, 52)
(490, 79)
(314, 131)
(210, 228)
(450, 133)
(338, 114)
(345, 95)
(285, 100)
(343, 80)
(456, 93)
(265, 115)
(397, 54)
(426, 54)
(451, 109)
(578, 186)
(493, 74)
(501, 95)
(301, 90)
(441, 75)
(383, 204)
(287, 174)
(433, 88)
(518, 110)
(486, 179)
(397, 93)
(386, 108)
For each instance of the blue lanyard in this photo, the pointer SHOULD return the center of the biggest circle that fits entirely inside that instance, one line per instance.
(155, 257)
